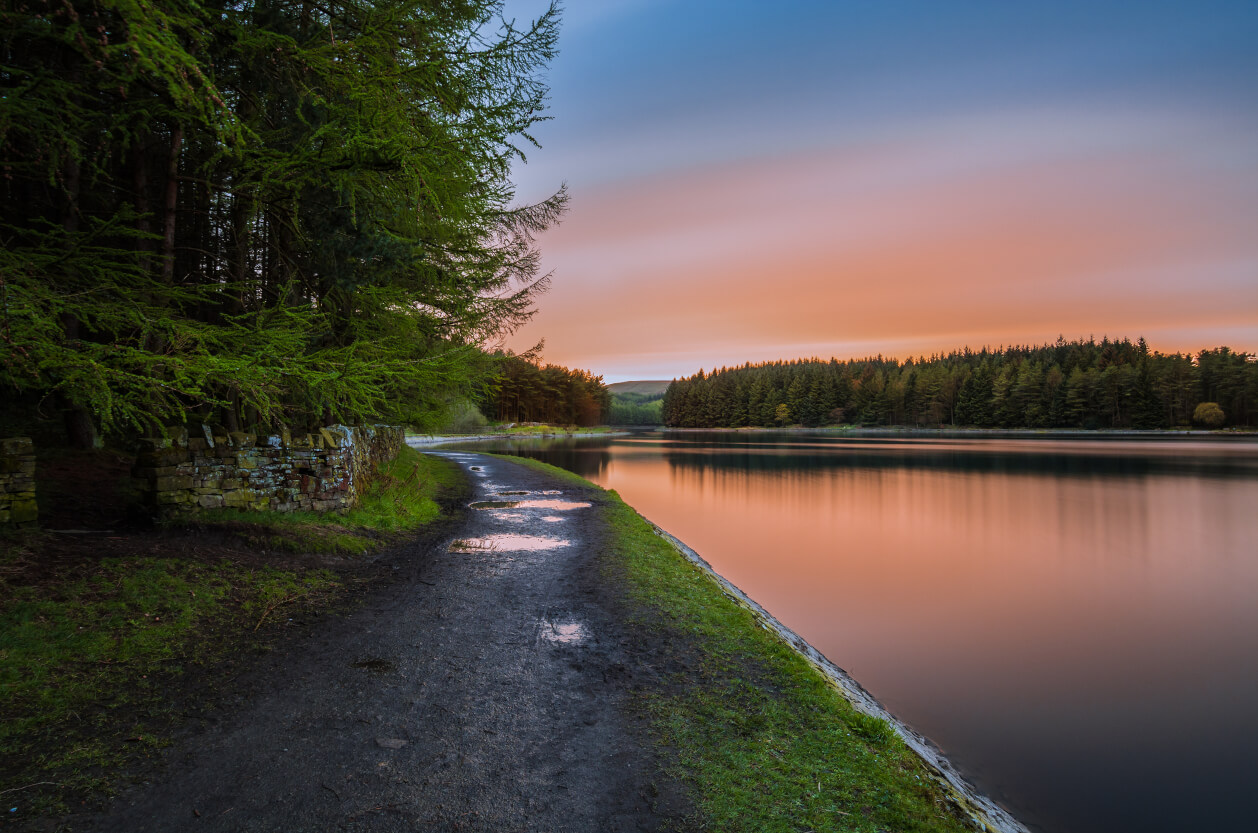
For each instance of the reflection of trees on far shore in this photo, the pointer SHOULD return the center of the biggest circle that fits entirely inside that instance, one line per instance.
(711, 457)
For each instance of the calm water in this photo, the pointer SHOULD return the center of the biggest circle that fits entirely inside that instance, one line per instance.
(1075, 623)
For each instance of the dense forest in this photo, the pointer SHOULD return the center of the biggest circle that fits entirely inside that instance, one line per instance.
(526, 391)
(1076, 384)
(636, 409)
(262, 213)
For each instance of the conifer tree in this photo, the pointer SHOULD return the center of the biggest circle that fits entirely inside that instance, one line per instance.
(265, 212)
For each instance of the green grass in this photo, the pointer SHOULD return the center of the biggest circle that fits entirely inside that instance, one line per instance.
(765, 739)
(401, 498)
(90, 651)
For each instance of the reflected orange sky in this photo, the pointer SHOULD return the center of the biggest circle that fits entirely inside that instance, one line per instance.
(1073, 638)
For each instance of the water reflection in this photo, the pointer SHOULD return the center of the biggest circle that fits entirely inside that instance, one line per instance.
(506, 542)
(562, 633)
(1074, 622)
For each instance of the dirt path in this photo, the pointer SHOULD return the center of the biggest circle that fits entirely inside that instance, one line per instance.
(487, 690)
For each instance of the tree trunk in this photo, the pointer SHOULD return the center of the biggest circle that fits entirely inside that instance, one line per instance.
(170, 206)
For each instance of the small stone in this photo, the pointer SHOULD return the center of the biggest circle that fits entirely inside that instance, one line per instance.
(390, 743)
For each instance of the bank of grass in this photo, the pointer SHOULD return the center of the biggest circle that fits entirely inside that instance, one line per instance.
(402, 498)
(91, 652)
(765, 740)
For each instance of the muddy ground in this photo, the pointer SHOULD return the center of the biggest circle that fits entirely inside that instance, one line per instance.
(490, 687)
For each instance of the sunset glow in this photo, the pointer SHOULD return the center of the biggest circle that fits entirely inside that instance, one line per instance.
(903, 203)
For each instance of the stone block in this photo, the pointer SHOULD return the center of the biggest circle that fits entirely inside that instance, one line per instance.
(196, 444)
(166, 484)
(210, 501)
(162, 457)
(208, 434)
(239, 498)
(15, 446)
(168, 498)
(330, 439)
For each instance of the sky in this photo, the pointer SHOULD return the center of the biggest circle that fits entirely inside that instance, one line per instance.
(752, 181)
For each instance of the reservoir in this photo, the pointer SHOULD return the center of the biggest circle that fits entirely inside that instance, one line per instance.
(1073, 621)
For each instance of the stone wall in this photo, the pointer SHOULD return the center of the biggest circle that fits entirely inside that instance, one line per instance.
(17, 482)
(323, 472)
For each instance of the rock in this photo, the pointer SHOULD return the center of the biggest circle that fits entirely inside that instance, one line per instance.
(390, 743)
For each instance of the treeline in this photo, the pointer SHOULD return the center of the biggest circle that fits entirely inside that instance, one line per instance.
(636, 409)
(274, 212)
(525, 391)
(1076, 384)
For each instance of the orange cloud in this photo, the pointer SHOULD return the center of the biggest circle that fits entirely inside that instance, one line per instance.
(901, 248)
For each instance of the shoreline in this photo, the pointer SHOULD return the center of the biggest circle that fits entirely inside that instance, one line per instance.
(985, 811)
(976, 433)
(425, 440)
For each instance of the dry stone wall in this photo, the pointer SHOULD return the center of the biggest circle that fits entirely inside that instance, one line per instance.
(17, 482)
(325, 471)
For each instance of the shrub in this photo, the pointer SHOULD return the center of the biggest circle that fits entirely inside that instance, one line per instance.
(1209, 415)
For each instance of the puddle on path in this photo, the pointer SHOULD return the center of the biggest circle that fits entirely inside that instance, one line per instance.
(557, 505)
(530, 503)
(563, 633)
(494, 504)
(379, 666)
(508, 543)
(510, 517)
(504, 494)
(551, 518)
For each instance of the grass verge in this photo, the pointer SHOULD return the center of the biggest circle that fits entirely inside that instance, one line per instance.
(101, 658)
(767, 743)
(402, 498)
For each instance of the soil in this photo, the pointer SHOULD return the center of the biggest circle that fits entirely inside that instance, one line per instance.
(489, 686)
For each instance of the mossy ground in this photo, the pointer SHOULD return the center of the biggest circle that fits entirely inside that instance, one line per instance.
(95, 651)
(764, 739)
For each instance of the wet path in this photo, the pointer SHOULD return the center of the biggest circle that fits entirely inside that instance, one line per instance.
(486, 691)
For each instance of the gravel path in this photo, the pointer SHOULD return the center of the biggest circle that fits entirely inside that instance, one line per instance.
(487, 690)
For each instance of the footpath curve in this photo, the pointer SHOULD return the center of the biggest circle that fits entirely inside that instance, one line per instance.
(487, 690)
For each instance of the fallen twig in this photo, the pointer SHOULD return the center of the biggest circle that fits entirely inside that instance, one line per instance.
(28, 786)
(274, 605)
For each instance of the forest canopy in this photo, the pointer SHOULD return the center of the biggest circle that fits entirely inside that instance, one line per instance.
(262, 212)
(1076, 384)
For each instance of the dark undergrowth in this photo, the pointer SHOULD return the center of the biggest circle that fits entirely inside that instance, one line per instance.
(109, 645)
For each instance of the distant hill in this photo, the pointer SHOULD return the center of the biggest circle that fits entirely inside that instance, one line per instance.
(646, 388)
